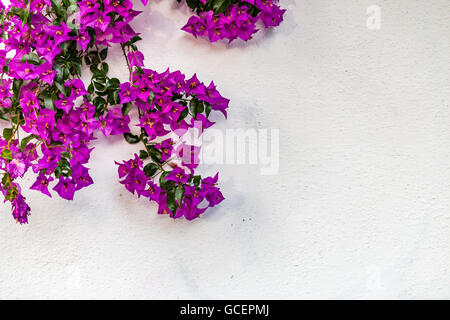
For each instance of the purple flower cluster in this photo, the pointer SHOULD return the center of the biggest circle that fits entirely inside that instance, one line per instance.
(53, 116)
(162, 100)
(109, 20)
(14, 163)
(238, 21)
(190, 198)
(58, 117)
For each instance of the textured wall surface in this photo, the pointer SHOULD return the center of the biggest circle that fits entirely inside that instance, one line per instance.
(359, 208)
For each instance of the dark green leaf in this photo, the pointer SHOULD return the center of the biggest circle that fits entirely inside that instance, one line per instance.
(126, 108)
(131, 138)
(220, 6)
(7, 133)
(155, 154)
(196, 106)
(48, 100)
(132, 40)
(25, 141)
(6, 180)
(171, 202)
(61, 87)
(7, 154)
(105, 67)
(208, 109)
(150, 169)
(165, 184)
(99, 102)
(179, 193)
(183, 114)
(197, 180)
(104, 54)
(143, 154)
(31, 58)
(91, 88)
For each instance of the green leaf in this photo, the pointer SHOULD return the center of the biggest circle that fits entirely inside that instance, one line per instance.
(25, 141)
(93, 36)
(7, 154)
(113, 98)
(171, 201)
(196, 106)
(193, 105)
(220, 6)
(112, 83)
(99, 86)
(131, 138)
(17, 86)
(18, 12)
(192, 3)
(66, 154)
(77, 66)
(155, 154)
(91, 89)
(165, 184)
(99, 102)
(143, 154)
(48, 100)
(150, 169)
(127, 108)
(57, 4)
(61, 87)
(179, 194)
(197, 180)
(105, 67)
(183, 114)
(32, 58)
(132, 40)
(7, 133)
(208, 109)
(151, 97)
(6, 180)
(104, 54)
(200, 108)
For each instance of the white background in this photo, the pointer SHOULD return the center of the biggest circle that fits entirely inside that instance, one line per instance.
(359, 209)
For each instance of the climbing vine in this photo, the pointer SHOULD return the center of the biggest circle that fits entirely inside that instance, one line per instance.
(50, 116)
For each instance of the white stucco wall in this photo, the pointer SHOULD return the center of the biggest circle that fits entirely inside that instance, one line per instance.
(359, 209)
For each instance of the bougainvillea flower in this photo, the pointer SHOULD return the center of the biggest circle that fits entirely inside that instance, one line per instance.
(153, 125)
(166, 148)
(24, 71)
(83, 40)
(64, 103)
(77, 86)
(46, 72)
(136, 59)
(60, 33)
(20, 209)
(16, 168)
(100, 21)
(81, 177)
(127, 93)
(153, 192)
(38, 5)
(65, 188)
(41, 184)
(5, 103)
(178, 175)
(49, 51)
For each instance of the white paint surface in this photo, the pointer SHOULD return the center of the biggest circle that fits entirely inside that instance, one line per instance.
(359, 209)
